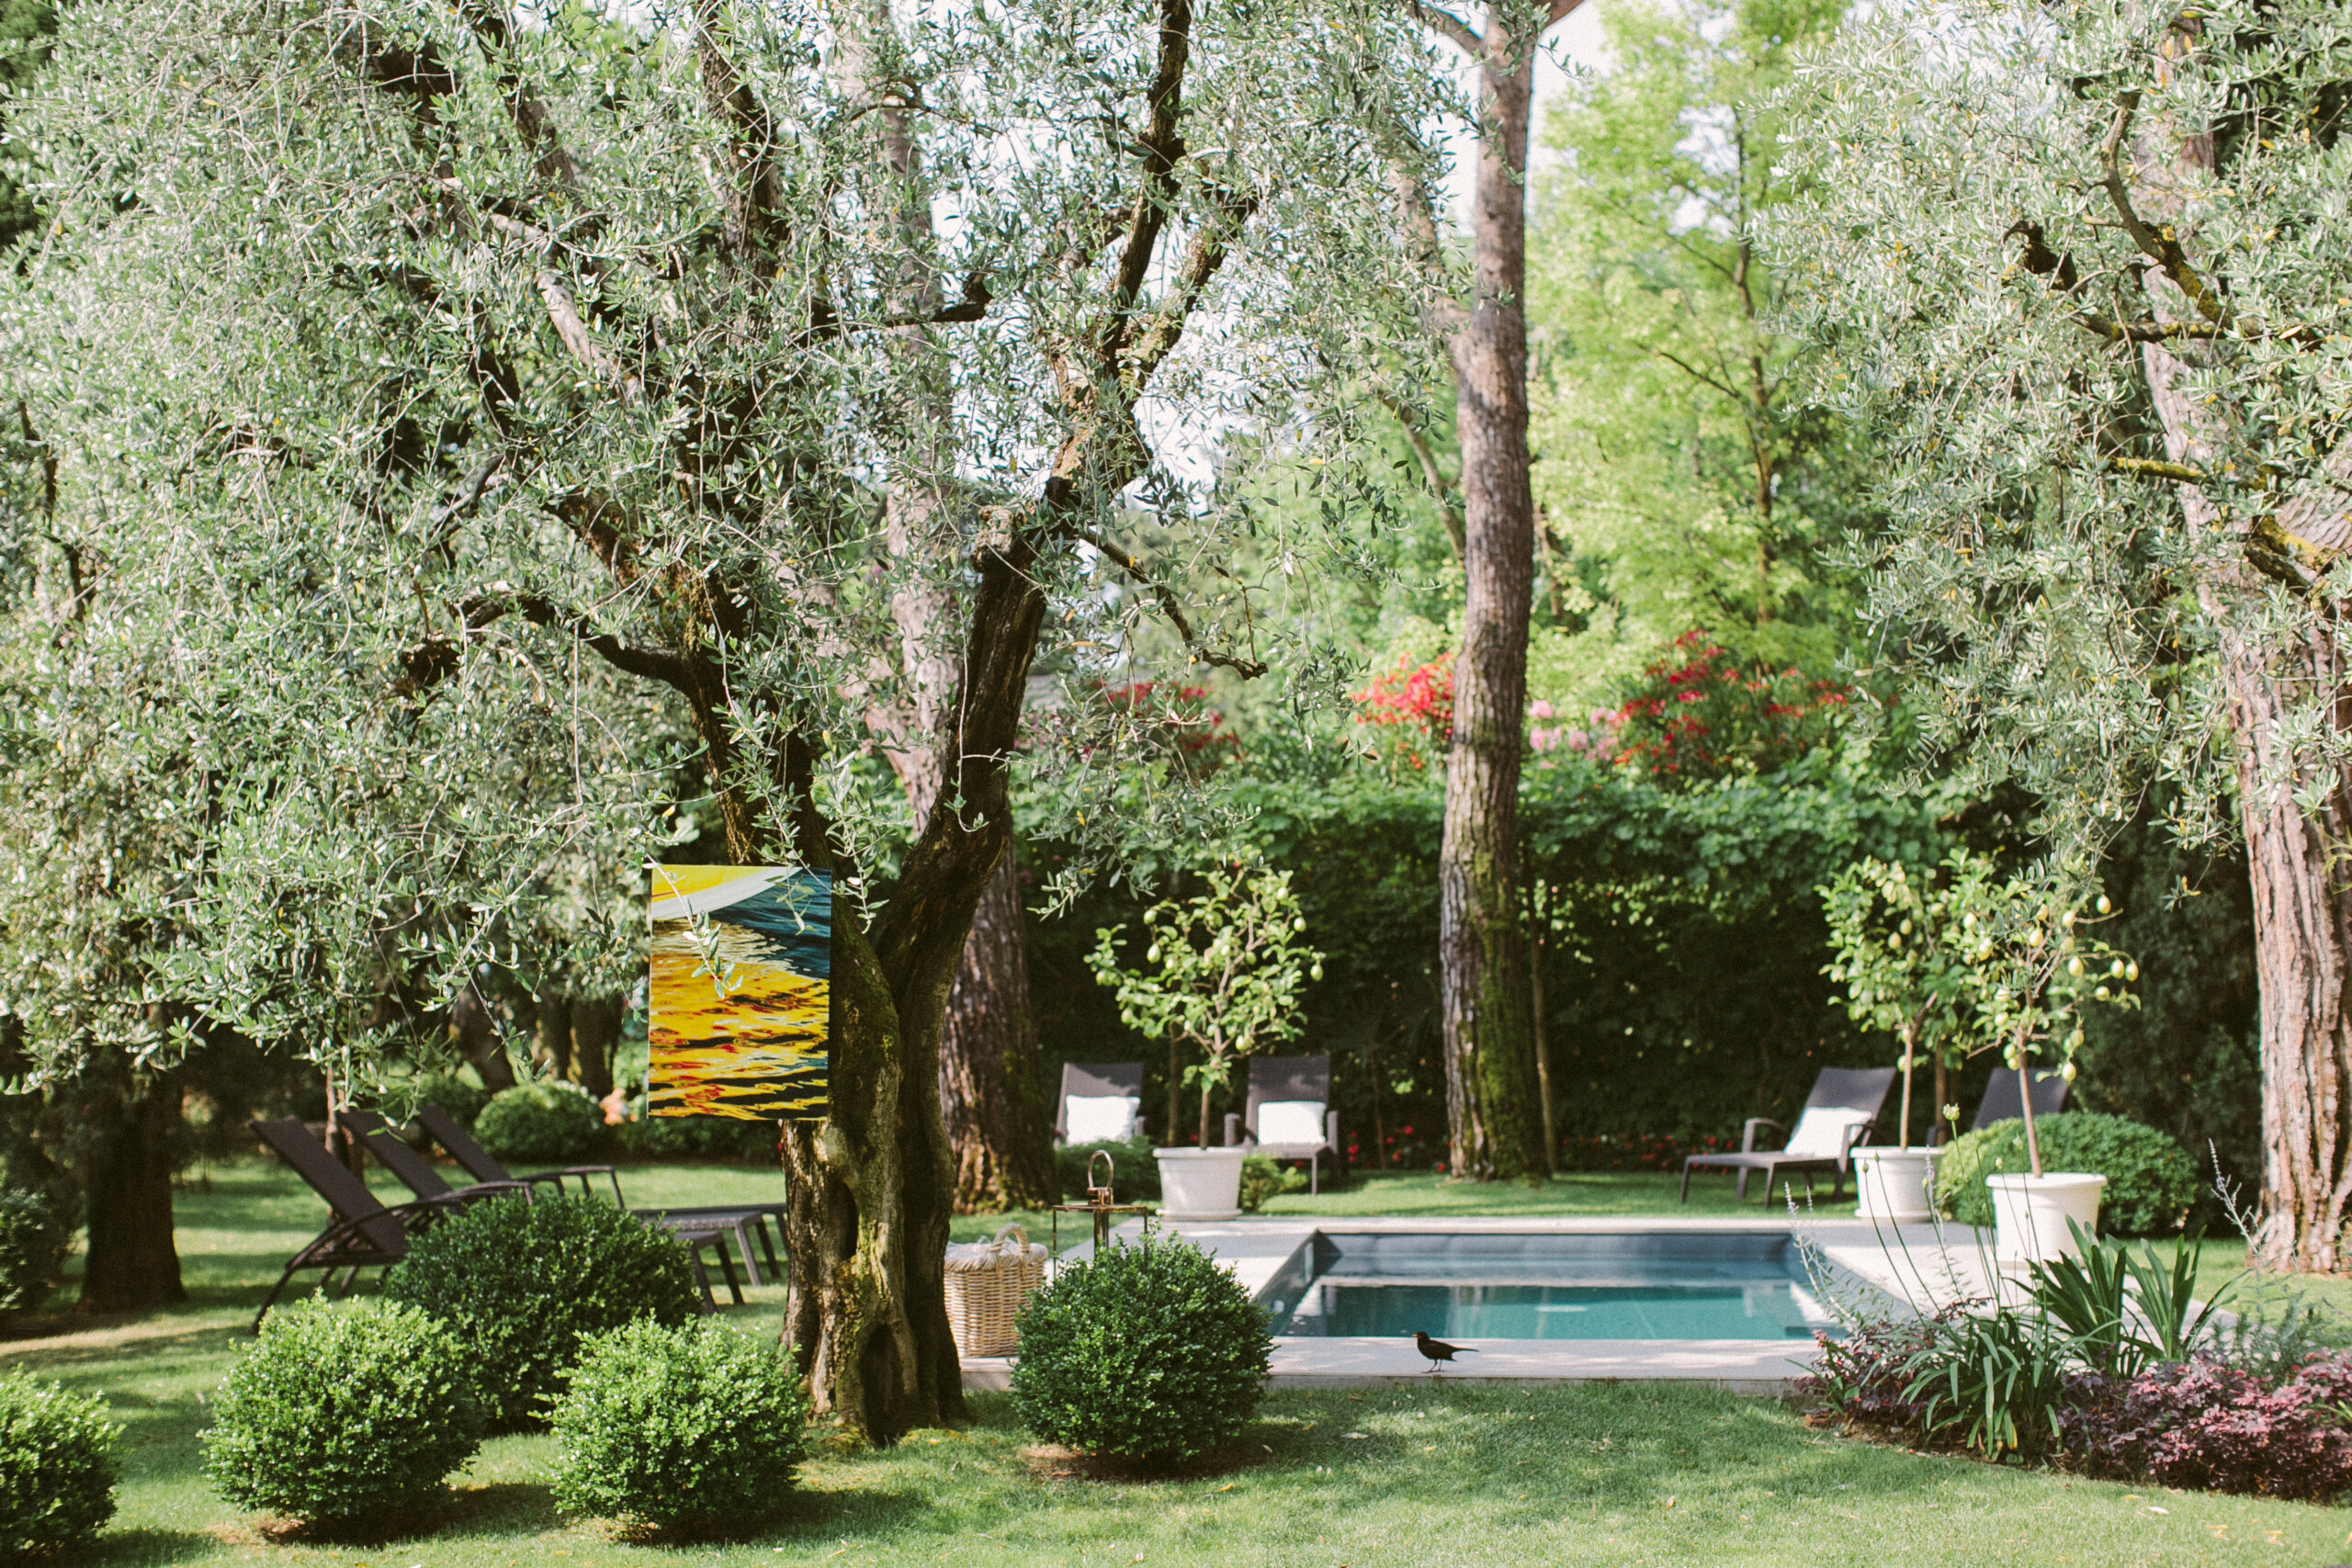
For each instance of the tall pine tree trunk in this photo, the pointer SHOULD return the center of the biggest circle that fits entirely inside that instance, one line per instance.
(1494, 1117)
(991, 1092)
(133, 1127)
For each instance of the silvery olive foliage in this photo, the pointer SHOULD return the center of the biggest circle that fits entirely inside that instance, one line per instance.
(2023, 223)
(421, 387)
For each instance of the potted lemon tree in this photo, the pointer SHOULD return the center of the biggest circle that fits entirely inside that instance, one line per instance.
(1221, 972)
(1893, 948)
(2035, 963)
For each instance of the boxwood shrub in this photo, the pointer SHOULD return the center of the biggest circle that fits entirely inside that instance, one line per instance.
(697, 1427)
(698, 1137)
(521, 1284)
(2151, 1180)
(347, 1412)
(545, 1122)
(1152, 1353)
(57, 1466)
(34, 1239)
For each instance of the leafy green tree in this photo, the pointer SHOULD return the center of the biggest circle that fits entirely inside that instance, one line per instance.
(1895, 945)
(1222, 972)
(1684, 483)
(519, 351)
(2082, 272)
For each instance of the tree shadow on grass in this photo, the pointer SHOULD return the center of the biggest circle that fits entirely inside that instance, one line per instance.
(133, 1548)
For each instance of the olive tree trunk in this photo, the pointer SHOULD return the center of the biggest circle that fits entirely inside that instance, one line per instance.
(133, 1126)
(990, 1088)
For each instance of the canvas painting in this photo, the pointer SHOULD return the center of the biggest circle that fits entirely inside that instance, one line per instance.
(741, 977)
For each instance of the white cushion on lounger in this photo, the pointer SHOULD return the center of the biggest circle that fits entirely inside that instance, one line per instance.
(1290, 1122)
(1820, 1132)
(1099, 1118)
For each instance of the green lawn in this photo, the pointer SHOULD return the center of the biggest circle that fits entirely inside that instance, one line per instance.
(1415, 1194)
(1438, 1473)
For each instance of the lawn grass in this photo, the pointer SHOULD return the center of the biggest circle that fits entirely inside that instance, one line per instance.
(1441, 1473)
(1418, 1194)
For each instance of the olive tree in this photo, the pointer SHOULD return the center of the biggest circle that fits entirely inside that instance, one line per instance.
(806, 367)
(2083, 271)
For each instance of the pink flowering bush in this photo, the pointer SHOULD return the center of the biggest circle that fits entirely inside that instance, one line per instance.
(2210, 1426)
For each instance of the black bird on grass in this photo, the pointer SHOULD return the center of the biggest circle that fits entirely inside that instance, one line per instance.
(1438, 1350)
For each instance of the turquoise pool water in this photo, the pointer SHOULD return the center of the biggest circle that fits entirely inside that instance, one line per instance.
(1682, 1285)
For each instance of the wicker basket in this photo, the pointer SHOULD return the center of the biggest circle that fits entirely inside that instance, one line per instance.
(987, 1284)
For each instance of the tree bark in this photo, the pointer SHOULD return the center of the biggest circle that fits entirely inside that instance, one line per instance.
(990, 1090)
(595, 1036)
(1493, 1115)
(551, 1034)
(133, 1263)
(476, 1033)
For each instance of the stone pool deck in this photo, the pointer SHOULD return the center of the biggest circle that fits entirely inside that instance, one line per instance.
(1921, 1267)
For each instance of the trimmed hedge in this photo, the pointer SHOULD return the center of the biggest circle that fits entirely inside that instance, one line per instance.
(521, 1284)
(550, 1120)
(2151, 1180)
(1135, 1175)
(698, 1137)
(345, 1412)
(1153, 1353)
(696, 1426)
(34, 1239)
(58, 1466)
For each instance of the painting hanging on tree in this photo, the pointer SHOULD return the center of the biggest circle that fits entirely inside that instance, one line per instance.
(741, 976)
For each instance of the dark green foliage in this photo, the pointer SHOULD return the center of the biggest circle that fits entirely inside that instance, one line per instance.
(696, 1426)
(1135, 1175)
(1263, 1177)
(2117, 1330)
(538, 1122)
(522, 1283)
(58, 1466)
(460, 1098)
(345, 1412)
(34, 1237)
(2151, 1180)
(1645, 1037)
(698, 1137)
(26, 29)
(2188, 1059)
(1152, 1353)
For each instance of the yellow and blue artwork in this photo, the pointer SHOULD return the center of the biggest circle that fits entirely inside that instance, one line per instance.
(741, 977)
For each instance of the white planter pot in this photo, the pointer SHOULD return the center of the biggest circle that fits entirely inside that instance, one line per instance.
(1200, 1184)
(1896, 1185)
(2029, 1214)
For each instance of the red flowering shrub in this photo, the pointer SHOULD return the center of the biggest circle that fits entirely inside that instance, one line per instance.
(1697, 713)
(1190, 728)
(1413, 707)
(2208, 1426)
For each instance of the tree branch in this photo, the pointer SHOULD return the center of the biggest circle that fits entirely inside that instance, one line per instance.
(1247, 669)
(1163, 145)
(1461, 34)
(1424, 251)
(1442, 490)
(2159, 245)
(1202, 261)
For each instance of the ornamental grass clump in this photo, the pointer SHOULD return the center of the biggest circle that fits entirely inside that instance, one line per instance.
(347, 1414)
(521, 1284)
(1153, 1354)
(697, 1427)
(58, 1466)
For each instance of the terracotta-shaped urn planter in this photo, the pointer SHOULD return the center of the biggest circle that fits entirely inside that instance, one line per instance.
(2030, 1214)
(1897, 1185)
(1200, 1184)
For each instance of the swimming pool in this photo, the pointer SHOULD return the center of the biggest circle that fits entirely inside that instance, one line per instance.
(1680, 1285)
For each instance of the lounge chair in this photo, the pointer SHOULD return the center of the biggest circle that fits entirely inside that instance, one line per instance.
(1097, 1100)
(1837, 1116)
(414, 1170)
(1288, 1113)
(482, 1167)
(693, 1225)
(2004, 1102)
(363, 1233)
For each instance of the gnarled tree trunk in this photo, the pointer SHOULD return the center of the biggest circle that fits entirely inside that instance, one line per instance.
(990, 1087)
